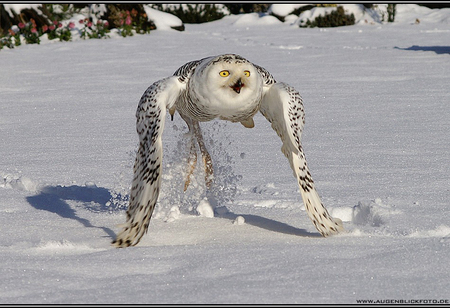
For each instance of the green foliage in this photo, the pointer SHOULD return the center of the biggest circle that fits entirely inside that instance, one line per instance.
(59, 11)
(16, 36)
(29, 32)
(6, 41)
(65, 34)
(139, 22)
(336, 18)
(391, 10)
(238, 8)
(193, 13)
(57, 31)
(100, 30)
(127, 22)
(301, 9)
(130, 21)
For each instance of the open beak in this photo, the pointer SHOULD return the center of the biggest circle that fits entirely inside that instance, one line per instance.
(237, 86)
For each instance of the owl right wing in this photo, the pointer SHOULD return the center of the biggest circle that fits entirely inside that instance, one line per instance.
(283, 108)
(145, 188)
(185, 71)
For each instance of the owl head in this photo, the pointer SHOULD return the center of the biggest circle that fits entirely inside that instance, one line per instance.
(228, 79)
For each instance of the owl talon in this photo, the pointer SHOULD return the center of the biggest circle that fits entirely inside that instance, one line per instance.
(172, 112)
(248, 123)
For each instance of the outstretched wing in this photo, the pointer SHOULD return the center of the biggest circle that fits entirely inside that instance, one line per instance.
(282, 105)
(150, 116)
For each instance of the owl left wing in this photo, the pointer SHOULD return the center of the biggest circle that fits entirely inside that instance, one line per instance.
(144, 193)
(283, 107)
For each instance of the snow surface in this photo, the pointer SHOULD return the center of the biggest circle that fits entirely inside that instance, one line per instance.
(162, 20)
(376, 139)
(284, 9)
(16, 8)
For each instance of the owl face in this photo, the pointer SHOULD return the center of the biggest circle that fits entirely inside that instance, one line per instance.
(232, 75)
(230, 82)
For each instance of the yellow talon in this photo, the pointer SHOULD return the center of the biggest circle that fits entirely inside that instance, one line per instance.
(172, 112)
(248, 123)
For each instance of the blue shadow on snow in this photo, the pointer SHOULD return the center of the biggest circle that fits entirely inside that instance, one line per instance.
(269, 224)
(52, 199)
(436, 49)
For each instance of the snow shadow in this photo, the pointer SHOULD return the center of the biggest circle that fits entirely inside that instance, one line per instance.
(53, 199)
(269, 224)
(436, 49)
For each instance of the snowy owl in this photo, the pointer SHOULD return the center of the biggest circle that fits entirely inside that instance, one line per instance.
(227, 87)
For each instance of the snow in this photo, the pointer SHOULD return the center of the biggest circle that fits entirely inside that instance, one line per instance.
(162, 20)
(411, 12)
(204, 208)
(9, 8)
(376, 140)
(284, 9)
(255, 19)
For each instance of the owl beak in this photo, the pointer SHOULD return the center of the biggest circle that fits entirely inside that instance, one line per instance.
(237, 86)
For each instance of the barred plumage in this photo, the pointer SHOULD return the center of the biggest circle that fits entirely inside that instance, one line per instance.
(184, 72)
(228, 87)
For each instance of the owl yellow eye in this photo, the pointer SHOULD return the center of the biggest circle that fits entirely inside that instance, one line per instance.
(247, 73)
(224, 73)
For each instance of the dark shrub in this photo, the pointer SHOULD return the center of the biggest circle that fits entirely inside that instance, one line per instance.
(335, 18)
(193, 13)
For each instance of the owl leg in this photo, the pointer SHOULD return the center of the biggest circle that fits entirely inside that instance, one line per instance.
(194, 129)
(192, 158)
(192, 162)
(209, 172)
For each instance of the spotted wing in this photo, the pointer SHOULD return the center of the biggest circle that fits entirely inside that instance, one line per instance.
(185, 71)
(267, 77)
(283, 107)
(145, 188)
